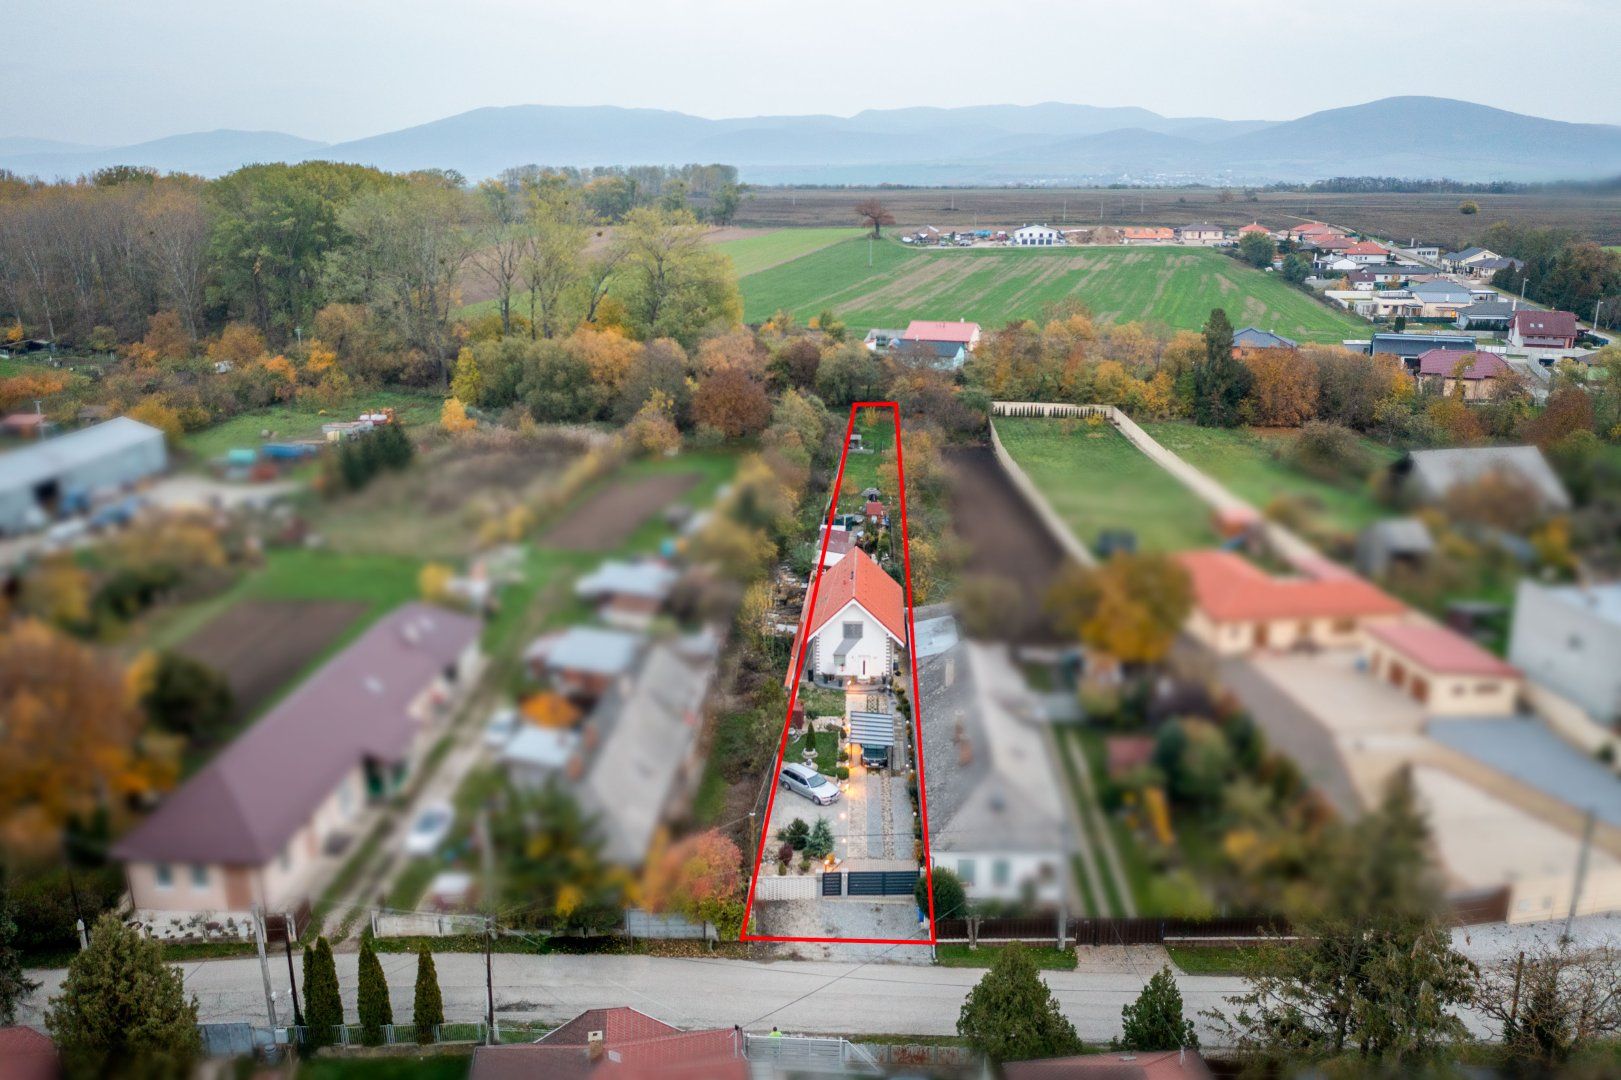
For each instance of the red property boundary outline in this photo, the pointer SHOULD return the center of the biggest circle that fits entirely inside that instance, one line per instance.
(793, 696)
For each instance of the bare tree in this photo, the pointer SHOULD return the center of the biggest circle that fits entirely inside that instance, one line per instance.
(875, 214)
(502, 239)
(1554, 1000)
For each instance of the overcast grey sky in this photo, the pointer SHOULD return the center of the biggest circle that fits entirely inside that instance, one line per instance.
(118, 71)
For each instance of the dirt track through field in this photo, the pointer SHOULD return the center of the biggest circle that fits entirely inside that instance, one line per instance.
(1005, 539)
(262, 645)
(607, 519)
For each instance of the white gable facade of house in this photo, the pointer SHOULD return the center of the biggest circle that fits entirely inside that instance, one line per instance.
(1035, 236)
(852, 645)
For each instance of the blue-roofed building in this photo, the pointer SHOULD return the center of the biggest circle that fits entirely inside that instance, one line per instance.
(37, 481)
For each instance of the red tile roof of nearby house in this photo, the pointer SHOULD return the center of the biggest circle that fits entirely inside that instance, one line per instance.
(1545, 324)
(1366, 247)
(1254, 227)
(1228, 588)
(25, 1054)
(1132, 232)
(1115, 1065)
(961, 333)
(874, 508)
(1314, 228)
(856, 577)
(1127, 752)
(1445, 362)
(634, 1045)
(245, 805)
(1441, 650)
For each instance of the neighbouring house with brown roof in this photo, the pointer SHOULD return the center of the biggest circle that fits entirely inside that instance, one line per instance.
(261, 822)
(1153, 234)
(1239, 608)
(621, 1043)
(858, 627)
(1474, 376)
(1441, 669)
(1542, 329)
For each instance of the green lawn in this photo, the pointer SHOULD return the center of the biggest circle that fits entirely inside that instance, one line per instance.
(1170, 287)
(1096, 480)
(303, 420)
(752, 254)
(959, 955)
(1211, 959)
(877, 430)
(1252, 467)
(827, 751)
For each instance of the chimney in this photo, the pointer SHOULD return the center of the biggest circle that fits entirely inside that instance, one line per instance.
(594, 1046)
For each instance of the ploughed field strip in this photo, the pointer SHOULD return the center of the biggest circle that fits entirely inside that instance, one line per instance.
(607, 519)
(260, 646)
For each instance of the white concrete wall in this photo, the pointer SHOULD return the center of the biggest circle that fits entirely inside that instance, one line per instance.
(774, 886)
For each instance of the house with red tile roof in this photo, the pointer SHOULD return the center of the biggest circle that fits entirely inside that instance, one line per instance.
(857, 629)
(1153, 234)
(950, 342)
(1477, 373)
(1239, 608)
(620, 1043)
(1367, 253)
(1441, 669)
(1254, 227)
(25, 1054)
(1542, 329)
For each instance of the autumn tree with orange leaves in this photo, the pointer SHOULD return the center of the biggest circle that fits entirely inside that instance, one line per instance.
(72, 738)
(732, 402)
(700, 877)
(1131, 607)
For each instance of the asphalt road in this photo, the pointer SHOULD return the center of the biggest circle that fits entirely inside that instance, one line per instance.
(810, 997)
(797, 996)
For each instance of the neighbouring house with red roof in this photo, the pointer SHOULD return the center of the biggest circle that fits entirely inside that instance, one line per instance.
(1367, 253)
(857, 629)
(1477, 373)
(1153, 234)
(622, 1043)
(273, 812)
(1542, 329)
(1254, 227)
(1239, 608)
(1441, 669)
(25, 1054)
(948, 341)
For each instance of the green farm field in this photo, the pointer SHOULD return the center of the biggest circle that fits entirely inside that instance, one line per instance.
(1251, 465)
(1163, 286)
(762, 251)
(1097, 480)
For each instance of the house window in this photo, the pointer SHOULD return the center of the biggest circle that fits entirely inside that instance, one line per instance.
(965, 871)
(163, 875)
(1001, 872)
(852, 631)
(199, 876)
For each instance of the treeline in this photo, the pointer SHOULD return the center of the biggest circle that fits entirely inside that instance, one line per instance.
(1407, 185)
(1562, 270)
(87, 264)
(612, 191)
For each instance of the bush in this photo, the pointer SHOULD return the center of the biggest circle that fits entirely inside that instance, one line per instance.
(1331, 452)
(1468, 207)
(950, 898)
(842, 772)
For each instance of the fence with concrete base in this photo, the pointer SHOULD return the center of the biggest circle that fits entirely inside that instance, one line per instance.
(773, 886)
(796, 1055)
(1061, 533)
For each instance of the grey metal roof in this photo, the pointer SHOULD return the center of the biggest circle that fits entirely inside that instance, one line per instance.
(541, 748)
(1253, 337)
(647, 730)
(1439, 471)
(44, 460)
(1414, 344)
(1401, 534)
(647, 578)
(1527, 750)
(1447, 289)
(244, 806)
(991, 781)
(594, 650)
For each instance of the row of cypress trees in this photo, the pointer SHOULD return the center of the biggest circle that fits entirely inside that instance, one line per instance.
(323, 1006)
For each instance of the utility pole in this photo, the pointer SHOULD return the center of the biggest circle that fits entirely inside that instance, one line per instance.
(264, 964)
(489, 983)
(1581, 871)
(754, 841)
(292, 983)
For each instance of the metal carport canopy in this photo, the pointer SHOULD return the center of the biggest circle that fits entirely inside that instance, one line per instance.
(872, 728)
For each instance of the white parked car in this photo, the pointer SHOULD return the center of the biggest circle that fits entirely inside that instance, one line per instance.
(430, 828)
(806, 781)
(502, 725)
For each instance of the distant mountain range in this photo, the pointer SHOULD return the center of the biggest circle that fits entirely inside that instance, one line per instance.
(1413, 137)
